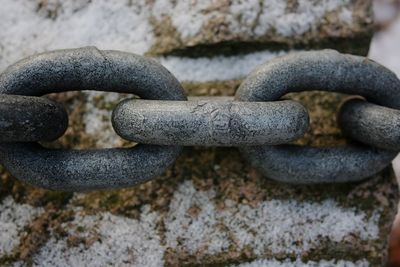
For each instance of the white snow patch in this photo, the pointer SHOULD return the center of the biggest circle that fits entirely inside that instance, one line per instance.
(13, 218)
(98, 120)
(125, 25)
(307, 16)
(279, 226)
(249, 17)
(122, 242)
(217, 68)
(107, 24)
(299, 263)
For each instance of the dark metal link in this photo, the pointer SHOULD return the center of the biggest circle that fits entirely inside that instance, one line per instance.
(77, 170)
(31, 119)
(88, 69)
(299, 164)
(323, 70)
(371, 124)
(210, 122)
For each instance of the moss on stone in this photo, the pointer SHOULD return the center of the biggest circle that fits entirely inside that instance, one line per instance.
(215, 38)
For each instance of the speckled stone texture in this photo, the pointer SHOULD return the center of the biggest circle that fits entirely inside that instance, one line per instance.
(236, 26)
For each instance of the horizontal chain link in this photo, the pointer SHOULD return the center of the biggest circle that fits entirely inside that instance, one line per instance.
(211, 122)
(256, 121)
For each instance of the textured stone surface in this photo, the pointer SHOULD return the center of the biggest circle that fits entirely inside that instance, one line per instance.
(240, 25)
(194, 28)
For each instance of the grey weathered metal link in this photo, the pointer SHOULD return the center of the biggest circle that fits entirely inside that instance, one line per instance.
(30, 119)
(210, 122)
(88, 69)
(323, 70)
(77, 170)
(297, 164)
(371, 124)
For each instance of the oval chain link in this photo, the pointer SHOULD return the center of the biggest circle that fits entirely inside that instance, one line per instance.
(320, 70)
(88, 69)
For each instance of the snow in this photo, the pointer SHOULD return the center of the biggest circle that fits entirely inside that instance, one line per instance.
(118, 25)
(97, 119)
(308, 14)
(280, 226)
(107, 24)
(117, 241)
(218, 68)
(13, 218)
(299, 263)
(249, 17)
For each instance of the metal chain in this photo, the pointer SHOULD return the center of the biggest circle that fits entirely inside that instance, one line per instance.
(334, 72)
(256, 121)
(88, 69)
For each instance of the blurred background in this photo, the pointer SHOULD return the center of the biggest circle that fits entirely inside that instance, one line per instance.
(385, 49)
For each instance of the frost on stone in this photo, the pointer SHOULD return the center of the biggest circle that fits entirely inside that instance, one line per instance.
(217, 68)
(299, 263)
(307, 16)
(13, 218)
(106, 240)
(275, 226)
(97, 118)
(29, 27)
(107, 24)
(249, 17)
(195, 226)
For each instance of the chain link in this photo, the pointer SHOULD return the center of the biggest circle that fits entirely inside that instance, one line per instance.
(371, 124)
(162, 121)
(31, 119)
(210, 122)
(330, 71)
(88, 69)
